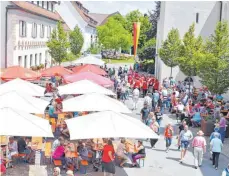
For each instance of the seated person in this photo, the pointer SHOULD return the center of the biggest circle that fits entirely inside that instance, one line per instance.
(52, 111)
(120, 152)
(64, 129)
(83, 152)
(56, 143)
(21, 145)
(59, 154)
(13, 147)
(140, 153)
(219, 98)
(196, 119)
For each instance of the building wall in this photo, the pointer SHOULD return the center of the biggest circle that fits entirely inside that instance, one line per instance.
(181, 15)
(3, 5)
(28, 48)
(72, 19)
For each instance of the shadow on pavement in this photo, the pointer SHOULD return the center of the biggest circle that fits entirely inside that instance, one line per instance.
(177, 159)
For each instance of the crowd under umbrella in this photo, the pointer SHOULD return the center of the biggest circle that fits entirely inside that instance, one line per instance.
(90, 60)
(55, 71)
(108, 124)
(89, 68)
(94, 102)
(22, 86)
(100, 80)
(23, 102)
(19, 72)
(83, 87)
(19, 123)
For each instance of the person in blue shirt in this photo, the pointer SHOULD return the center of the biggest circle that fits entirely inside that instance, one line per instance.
(216, 148)
(219, 97)
(52, 113)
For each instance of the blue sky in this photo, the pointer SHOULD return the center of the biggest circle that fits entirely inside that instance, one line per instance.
(122, 6)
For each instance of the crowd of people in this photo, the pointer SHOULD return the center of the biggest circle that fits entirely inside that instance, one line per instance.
(181, 98)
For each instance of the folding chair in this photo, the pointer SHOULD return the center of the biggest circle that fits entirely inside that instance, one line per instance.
(61, 116)
(48, 152)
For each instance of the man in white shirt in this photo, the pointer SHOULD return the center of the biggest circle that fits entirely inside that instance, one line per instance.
(148, 100)
(185, 138)
(135, 98)
(226, 171)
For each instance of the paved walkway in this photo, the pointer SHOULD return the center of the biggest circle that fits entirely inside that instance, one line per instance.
(167, 164)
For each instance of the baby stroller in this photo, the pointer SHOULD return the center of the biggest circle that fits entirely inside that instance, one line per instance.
(97, 162)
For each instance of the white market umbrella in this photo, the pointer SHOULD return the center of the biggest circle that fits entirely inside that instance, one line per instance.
(108, 124)
(90, 60)
(94, 102)
(22, 86)
(83, 87)
(18, 123)
(23, 102)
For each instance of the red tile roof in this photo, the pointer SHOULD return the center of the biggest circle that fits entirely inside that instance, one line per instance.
(37, 10)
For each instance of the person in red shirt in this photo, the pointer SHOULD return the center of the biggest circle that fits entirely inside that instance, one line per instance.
(129, 78)
(168, 134)
(108, 158)
(156, 85)
(137, 84)
(145, 87)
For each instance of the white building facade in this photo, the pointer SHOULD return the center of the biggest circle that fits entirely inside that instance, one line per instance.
(180, 15)
(25, 29)
(74, 14)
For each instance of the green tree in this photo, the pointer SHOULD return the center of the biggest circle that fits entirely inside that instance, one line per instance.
(112, 35)
(191, 50)
(76, 40)
(153, 17)
(137, 16)
(170, 49)
(214, 67)
(148, 50)
(58, 44)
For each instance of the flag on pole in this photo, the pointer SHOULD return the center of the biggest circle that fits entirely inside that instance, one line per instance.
(136, 36)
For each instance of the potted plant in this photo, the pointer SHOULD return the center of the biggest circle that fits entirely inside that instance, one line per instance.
(207, 125)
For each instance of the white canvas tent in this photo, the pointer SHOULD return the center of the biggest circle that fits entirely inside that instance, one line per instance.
(23, 102)
(83, 87)
(22, 86)
(108, 124)
(89, 60)
(17, 123)
(94, 102)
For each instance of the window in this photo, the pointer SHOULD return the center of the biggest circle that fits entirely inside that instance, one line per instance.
(34, 30)
(40, 58)
(197, 17)
(25, 62)
(35, 59)
(49, 31)
(19, 60)
(52, 7)
(43, 4)
(47, 5)
(22, 29)
(38, 3)
(31, 60)
(42, 32)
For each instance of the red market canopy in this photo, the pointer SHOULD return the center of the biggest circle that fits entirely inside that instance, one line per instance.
(14, 72)
(55, 71)
(103, 81)
(89, 68)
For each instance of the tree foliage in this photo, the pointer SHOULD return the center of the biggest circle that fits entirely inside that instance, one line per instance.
(214, 67)
(191, 51)
(170, 50)
(113, 35)
(76, 40)
(153, 17)
(137, 16)
(148, 50)
(58, 44)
